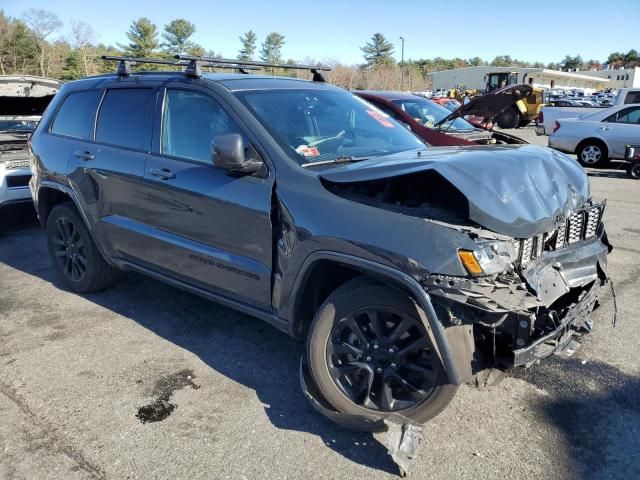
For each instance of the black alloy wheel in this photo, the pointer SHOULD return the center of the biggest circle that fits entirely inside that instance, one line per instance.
(69, 249)
(381, 358)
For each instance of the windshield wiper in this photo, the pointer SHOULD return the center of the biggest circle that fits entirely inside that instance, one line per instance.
(340, 159)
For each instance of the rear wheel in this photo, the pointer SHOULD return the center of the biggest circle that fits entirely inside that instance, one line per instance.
(510, 118)
(370, 354)
(592, 153)
(75, 257)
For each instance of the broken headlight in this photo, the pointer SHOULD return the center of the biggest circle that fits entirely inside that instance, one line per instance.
(489, 258)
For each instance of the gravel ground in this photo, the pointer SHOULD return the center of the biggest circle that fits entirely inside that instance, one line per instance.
(81, 376)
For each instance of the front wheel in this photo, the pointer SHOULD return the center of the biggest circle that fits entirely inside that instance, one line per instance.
(370, 354)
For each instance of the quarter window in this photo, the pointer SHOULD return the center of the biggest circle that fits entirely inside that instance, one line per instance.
(125, 118)
(76, 115)
(190, 121)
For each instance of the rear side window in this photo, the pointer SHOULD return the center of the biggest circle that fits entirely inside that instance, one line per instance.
(632, 97)
(76, 115)
(125, 118)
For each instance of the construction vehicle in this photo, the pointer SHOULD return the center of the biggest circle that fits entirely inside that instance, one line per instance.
(523, 111)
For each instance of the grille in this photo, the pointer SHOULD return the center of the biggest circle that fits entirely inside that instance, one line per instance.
(17, 181)
(580, 226)
(576, 221)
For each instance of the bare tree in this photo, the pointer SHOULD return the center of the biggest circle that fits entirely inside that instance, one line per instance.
(42, 24)
(83, 39)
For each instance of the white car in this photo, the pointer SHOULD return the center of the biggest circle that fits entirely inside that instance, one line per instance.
(600, 136)
(23, 100)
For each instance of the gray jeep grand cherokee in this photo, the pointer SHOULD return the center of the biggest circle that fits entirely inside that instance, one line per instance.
(409, 269)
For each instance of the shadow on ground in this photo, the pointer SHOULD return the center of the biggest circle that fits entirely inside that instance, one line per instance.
(596, 409)
(593, 406)
(244, 349)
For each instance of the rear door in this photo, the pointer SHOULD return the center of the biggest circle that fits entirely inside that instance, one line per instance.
(621, 129)
(207, 227)
(108, 170)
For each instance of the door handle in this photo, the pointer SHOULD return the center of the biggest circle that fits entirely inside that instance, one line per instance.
(84, 155)
(163, 173)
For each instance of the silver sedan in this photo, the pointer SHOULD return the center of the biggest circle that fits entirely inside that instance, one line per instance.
(599, 136)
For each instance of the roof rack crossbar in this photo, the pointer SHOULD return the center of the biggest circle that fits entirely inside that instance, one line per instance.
(192, 67)
(315, 69)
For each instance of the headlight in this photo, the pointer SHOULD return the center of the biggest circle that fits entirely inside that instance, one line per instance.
(489, 258)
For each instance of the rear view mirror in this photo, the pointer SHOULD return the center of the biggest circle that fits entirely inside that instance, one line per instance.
(227, 152)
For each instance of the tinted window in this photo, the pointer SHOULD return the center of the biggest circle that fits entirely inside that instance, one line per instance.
(125, 118)
(75, 117)
(190, 122)
(632, 97)
(626, 115)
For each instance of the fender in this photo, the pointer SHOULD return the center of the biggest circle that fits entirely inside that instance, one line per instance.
(397, 278)
(76, 201)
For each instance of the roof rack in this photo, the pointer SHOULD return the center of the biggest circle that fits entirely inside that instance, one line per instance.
(193, 68)
(317, 70)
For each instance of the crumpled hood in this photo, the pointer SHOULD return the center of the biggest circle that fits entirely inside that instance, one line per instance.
(519, 191)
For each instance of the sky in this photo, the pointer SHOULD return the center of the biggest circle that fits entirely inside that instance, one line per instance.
(545, 31)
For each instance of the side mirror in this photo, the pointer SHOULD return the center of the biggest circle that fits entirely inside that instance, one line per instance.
(227, 152)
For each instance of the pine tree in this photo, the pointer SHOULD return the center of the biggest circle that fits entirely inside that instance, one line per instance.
(177, 34)
(378, 51)
(143, 36)
(271, 48)
(248, 49)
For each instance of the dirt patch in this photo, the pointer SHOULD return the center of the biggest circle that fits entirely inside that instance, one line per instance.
(163, 389)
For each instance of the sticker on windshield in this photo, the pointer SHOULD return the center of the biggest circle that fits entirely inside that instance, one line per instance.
(307, 151)
(380, 118)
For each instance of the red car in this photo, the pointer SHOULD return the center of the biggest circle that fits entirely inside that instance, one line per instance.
(438, 126)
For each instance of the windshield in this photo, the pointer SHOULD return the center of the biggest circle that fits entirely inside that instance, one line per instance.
(323, 125)
(428, 113)
(20, 125)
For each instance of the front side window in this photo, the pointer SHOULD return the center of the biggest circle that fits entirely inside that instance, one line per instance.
(76, 115)
(190, 122)
(125, 118)
(314, 125)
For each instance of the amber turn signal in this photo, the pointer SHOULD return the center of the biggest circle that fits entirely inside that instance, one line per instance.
(470, 262)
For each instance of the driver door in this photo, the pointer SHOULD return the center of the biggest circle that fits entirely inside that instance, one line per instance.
(208, 228)
(621, 129)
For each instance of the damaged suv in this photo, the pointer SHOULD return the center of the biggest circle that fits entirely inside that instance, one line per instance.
(409, 269)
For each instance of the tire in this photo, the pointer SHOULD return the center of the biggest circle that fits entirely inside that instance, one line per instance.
(333, 319)
(634, 171)
(67, 236)
(510, 118)
(592, 153)
(523, 123)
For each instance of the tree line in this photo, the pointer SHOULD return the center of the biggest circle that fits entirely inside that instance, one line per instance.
(32, 45)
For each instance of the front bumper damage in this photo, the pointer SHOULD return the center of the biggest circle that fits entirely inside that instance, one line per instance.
(525, 316)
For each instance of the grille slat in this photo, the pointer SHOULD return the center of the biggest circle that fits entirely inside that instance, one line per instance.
(580, 226)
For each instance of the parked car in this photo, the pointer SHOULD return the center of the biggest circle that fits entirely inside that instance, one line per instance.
(437, 125)
(23, 100)
(408, 269)
(598, 137)
(549, 114)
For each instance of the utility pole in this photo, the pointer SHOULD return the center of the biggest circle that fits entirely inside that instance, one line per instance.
(402, 65)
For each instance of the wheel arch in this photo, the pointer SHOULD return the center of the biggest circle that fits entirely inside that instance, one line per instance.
(305, 301)
(599, 140)
(51, 194)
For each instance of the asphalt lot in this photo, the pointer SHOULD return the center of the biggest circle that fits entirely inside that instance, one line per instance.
(77, 371)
